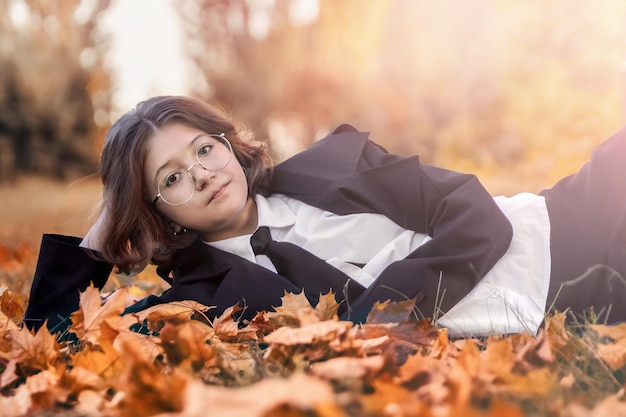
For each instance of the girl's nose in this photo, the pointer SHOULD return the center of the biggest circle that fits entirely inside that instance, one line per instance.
(201, 176)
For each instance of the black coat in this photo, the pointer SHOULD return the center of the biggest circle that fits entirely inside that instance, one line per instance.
(343, 173)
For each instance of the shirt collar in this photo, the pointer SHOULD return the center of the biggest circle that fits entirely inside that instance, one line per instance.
(274, 212)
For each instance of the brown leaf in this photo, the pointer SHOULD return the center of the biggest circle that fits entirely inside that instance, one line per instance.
(259, 399)
(185, 344)
(227, 328)
(146, 390)
(105, 360)
(327, 307)
(325, 330)
(78, 379)
(12, 305)
(347, 368)
(294, 311)
(392, 399)
(611, 347)
(556, 330)
(38, 351)
(390, 312)
(173, 311)
(536, 353)
(86, 321)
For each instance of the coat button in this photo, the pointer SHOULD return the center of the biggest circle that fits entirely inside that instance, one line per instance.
(494, 293)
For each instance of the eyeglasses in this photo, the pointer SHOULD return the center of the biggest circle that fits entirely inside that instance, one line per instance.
(177, 187)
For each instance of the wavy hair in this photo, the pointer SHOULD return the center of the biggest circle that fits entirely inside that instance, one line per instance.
(134, 233)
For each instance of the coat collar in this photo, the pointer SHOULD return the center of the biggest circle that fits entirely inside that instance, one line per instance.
(332, 157)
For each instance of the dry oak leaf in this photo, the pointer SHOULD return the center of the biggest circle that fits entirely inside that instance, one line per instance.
(611, 346)
(264, 398)
(172, 311)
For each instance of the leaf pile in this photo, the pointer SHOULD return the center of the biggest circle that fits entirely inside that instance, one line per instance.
(299, 360)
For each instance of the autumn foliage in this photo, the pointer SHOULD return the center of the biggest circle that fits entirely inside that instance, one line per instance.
(298, 360)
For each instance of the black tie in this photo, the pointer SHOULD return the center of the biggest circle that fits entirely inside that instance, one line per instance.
(304, 269)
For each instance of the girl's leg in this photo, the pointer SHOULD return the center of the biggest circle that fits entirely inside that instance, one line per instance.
(588, 237)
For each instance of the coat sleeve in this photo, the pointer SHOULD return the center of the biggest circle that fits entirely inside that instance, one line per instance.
(347, 173)
(63, 269)
(469, 231)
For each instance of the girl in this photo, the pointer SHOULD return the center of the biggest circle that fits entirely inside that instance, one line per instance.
(188, 190)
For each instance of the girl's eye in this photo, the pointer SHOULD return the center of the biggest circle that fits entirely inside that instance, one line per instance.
(171, 178)
(203, 150)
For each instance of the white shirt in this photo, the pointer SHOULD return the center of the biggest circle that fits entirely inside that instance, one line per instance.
(511, 298)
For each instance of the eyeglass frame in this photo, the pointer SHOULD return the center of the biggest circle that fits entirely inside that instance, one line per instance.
(225, 141)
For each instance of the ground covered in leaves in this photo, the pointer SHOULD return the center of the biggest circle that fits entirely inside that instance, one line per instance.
(299, 360)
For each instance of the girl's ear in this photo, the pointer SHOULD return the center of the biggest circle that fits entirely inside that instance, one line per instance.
(178, 229)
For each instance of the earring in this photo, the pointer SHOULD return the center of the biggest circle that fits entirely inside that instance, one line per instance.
(245, 170)
(180, 232)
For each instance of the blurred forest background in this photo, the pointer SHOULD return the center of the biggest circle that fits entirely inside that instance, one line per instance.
(517, 92)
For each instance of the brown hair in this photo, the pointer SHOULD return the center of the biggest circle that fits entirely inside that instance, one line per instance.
(134, 233)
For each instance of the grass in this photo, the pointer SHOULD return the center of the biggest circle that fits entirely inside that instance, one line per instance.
(33, 206)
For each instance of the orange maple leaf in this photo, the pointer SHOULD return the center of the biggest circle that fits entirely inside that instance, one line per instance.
(86, 321)
(176, 311)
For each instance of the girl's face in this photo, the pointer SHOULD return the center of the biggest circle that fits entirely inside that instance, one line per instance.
(219, 207)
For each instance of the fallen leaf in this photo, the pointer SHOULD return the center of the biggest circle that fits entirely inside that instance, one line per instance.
(346, 367)
(185, 344)
(295, 311)
(173, 311)
(257, 400)
(391, 312)
(309, 334)
(611, 344)
(327, 307)
(93, 311)
(227, 328)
